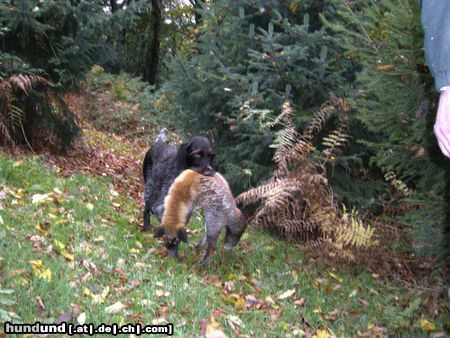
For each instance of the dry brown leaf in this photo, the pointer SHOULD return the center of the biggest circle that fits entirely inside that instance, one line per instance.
(40, 303)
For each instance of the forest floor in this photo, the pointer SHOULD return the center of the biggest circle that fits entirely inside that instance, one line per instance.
(72, 249)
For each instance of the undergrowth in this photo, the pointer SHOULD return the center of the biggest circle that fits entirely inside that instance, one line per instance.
(125, 104)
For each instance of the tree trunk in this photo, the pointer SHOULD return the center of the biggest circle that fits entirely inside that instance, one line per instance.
(196, 6)
(114, 6)
(151, 69)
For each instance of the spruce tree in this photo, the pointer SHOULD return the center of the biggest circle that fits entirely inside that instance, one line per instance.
(394, 99)
(251, 56)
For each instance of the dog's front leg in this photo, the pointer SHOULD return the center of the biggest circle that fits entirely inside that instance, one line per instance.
(147, 212)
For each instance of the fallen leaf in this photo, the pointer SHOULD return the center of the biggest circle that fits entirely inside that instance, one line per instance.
(239, 305)
(86, 277)
(40, 270)
(81, 319)
(235, 324)
(115, 308)
(427, 325)
(66, 317)
(332, 275)
(141, 265)
(17, 163)
(88, 264)
(40, 198)
(40, 303)
(251, 301)
(328, 288)
(36, 239)
(162, 293)
(364, 302)
(322, 334)
(269, 300)
(332, 315)
(286, 294)
(229, 285)
(299, 302)
(158, 321)
(236, 320)
(61, 248)
(212, 332)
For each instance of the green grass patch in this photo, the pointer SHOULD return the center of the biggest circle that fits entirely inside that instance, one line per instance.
(72, 245)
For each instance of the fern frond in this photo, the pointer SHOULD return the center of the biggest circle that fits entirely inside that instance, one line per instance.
(256, 194)
(296, 202)
(15, 115)
(318, 121)
(397, 184)
(26, 82)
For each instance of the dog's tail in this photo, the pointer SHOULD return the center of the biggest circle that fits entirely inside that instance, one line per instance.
(162, 136)
(148, 163)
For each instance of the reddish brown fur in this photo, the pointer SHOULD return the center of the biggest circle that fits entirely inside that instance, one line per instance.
(214, 196)
(179, 201)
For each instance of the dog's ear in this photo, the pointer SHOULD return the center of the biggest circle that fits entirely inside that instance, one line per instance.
(159, 232)
(182, 155)
(182, 235)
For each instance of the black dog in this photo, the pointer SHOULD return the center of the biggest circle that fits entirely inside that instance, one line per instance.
(162, 164)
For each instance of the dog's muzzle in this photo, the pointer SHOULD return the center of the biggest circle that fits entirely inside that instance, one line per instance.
(208, 171)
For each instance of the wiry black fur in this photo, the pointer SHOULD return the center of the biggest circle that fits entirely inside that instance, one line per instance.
(163, 163)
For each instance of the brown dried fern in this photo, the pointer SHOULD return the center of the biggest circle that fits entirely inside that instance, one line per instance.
(296, 202)
(11, 114)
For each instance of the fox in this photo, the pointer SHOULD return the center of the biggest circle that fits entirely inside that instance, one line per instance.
(213, 194)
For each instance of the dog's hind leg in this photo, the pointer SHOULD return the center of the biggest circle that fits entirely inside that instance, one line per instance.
(147, 213)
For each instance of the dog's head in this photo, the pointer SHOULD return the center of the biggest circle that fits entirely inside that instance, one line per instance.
(196, 154)
(171, 242)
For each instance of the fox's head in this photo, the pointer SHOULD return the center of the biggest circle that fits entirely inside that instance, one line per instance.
(171, 241)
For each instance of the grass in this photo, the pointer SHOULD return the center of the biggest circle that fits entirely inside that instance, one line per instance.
(105, 259)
